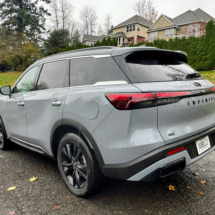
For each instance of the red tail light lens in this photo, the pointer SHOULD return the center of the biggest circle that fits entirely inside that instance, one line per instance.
(176, 151)
(125, 101)
(171, 94)
(213, 89)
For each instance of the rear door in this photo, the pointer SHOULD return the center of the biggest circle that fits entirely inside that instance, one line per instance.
(184, 99)
(44, 106)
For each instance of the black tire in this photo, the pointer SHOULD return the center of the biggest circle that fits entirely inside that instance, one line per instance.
(4, 143)
(78, 166)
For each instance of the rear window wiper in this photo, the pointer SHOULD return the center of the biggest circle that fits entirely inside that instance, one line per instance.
(193, 75)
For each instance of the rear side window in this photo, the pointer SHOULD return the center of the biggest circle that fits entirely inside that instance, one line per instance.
(54, 75)
(157, 67)
(89, 71)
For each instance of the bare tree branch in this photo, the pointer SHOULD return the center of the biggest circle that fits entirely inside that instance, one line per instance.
(146, 9)
(66, 13)
(108, 23)
(88, 19)
(54, 9)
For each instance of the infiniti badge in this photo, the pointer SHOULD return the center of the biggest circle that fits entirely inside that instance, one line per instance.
(197, 84)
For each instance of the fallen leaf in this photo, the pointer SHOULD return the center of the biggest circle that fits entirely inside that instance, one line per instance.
(203, 182)
(171, 187)
(115, 212)
(196, 173)
(12, 212)
(1, 156)
(201, 193)
(11, 188)
(33, 179)
(120, 212)
(188, 187)
(56, 208)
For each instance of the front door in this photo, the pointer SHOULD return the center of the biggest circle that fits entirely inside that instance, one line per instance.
(44, 106)
(14, 116)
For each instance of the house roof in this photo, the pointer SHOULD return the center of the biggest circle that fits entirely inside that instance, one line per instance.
(135, 19)
(203, 15)
(91, 38)
(192, 16)
(185, 18)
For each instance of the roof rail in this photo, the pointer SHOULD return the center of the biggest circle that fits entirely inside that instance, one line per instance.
(85, 49)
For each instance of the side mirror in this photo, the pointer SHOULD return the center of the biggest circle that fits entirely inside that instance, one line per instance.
(5, 90)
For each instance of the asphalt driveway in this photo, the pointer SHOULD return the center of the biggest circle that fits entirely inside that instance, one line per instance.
(49, 195)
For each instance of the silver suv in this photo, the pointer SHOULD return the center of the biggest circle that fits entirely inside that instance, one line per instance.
(127, 113)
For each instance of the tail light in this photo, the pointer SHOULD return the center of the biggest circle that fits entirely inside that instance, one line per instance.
(176, 151)
(128, 101)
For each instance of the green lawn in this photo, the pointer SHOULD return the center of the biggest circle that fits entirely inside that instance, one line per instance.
(10, 78)
(209, 75)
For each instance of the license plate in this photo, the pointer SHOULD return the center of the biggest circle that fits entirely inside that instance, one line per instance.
(203, 145)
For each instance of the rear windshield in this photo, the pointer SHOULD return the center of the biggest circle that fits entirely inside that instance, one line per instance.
(158, 67)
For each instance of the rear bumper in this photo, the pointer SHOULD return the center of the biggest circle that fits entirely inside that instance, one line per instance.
(156, 163)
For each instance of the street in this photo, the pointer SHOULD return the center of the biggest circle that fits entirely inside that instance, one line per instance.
(49, 194)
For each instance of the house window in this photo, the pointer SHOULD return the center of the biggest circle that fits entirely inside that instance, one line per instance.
(138, 28)
(153, 35)
(119, 40)
(169, 32)
(130, 28)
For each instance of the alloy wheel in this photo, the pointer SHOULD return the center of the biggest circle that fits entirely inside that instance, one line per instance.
(74, 165)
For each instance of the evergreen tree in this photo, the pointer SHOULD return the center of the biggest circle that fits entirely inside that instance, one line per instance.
(76, 37)
(58, 39)
(24, 16)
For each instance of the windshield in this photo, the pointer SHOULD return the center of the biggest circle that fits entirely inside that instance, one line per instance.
(159, 66)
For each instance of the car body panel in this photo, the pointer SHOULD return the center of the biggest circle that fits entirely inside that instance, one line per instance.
(14, 116)
(41, 115)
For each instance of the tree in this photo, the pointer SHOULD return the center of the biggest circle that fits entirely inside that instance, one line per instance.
(108, 23)
(146, 9)
(25, 17)
(111, 30)
(100, 31)
(66, 12)
(54, 9)
(88, 18)
(58, 39)
(76, 38)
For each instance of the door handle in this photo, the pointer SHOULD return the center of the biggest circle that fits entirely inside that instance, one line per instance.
(56, 104)
(21, 104)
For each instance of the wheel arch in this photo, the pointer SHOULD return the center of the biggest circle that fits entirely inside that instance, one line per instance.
(1, 121)
(64, 126)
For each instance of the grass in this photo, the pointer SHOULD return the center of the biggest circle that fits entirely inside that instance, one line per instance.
(209, 75)
(9, 78)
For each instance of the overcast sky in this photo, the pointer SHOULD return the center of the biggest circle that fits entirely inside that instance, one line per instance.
(123, 9)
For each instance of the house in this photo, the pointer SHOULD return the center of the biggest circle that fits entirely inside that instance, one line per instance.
(190, 23)
(131, 31)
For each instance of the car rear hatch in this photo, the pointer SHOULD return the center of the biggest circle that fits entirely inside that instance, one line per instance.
(185, 100)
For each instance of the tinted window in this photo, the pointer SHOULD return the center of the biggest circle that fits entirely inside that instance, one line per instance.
(158, 66)
(27, 81)
(54, 75)
(88, 71)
